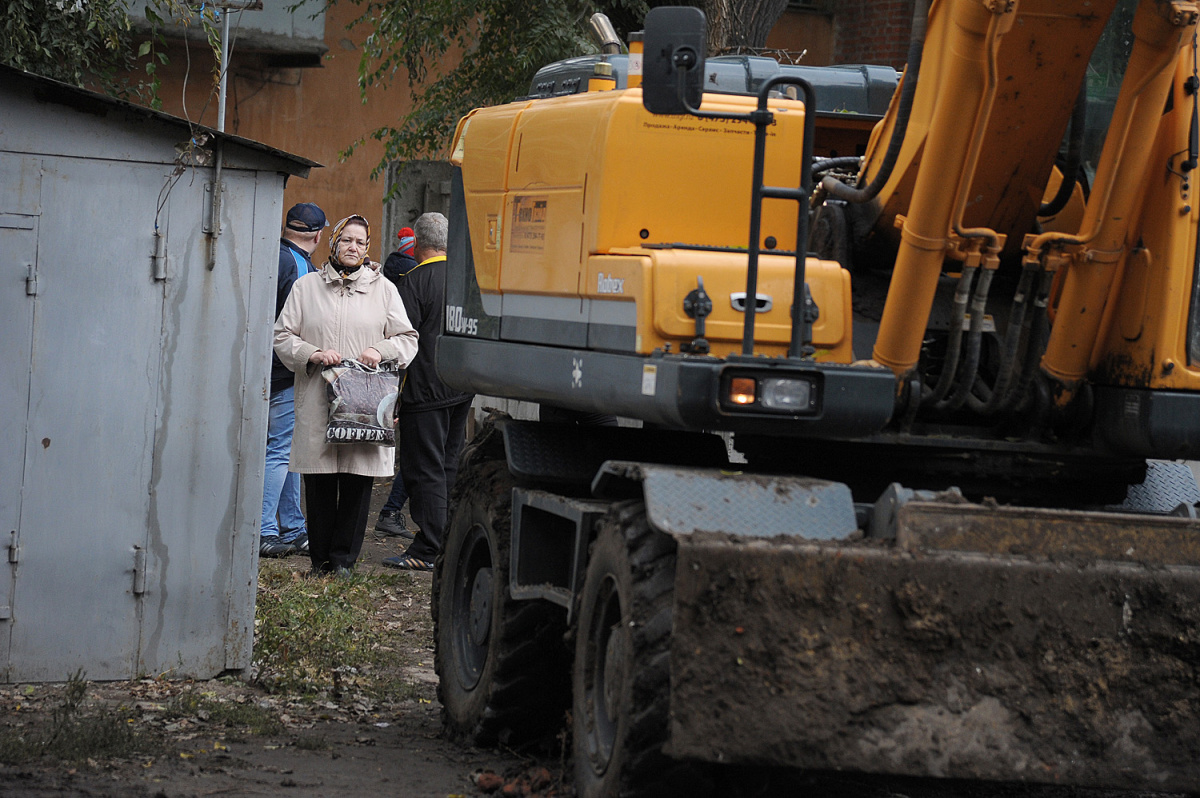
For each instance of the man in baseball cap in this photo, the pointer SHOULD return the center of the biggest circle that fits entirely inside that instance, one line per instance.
(284, 530)
(306, 217)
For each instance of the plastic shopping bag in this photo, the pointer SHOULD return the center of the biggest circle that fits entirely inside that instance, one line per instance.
(362, 401)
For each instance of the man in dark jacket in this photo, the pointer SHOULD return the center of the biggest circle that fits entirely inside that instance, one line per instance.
(391, 516)
(433, 416)
(283, 529)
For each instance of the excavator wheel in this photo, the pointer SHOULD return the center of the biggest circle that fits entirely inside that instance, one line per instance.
(622, 665)
(501, 664)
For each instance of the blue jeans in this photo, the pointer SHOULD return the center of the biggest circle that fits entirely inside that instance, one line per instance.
(397, 497)
(281, 488)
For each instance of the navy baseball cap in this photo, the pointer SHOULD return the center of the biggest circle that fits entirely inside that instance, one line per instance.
(306, 217)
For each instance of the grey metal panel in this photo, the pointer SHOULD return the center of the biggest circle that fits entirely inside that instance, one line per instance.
(544, 331)
(57, 119)
(683, 501)
(612, 325)
(209, 443)
(617, 313)
(21, 178)
(243, 571)
(558, 308)
(545, 319)
(491, 304)
(133, 476)
(611, 336)
(89, 445)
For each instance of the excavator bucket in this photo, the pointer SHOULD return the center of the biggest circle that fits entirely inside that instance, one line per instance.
(980, 642)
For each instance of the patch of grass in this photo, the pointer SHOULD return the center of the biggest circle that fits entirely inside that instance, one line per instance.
(323, 637)
(77, 733)
(231, 714)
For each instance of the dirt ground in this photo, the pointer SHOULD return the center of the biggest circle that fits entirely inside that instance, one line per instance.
(315, 750)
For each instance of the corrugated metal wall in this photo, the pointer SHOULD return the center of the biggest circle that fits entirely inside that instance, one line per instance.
(133, 403)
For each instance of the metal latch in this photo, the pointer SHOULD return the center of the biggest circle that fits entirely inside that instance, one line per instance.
(697, 305)
(159, 258)
(139, 570)
(211, 220)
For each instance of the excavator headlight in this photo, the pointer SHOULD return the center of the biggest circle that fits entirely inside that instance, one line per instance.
(786, 394)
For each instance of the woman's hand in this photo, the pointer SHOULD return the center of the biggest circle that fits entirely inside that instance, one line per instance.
(325, 357)
(370, 357)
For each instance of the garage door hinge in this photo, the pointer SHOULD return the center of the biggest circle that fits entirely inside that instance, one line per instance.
(139, 570)
(30, 280)
(5, 612)
(14, 551)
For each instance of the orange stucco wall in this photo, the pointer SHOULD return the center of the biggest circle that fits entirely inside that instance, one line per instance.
(315, 113)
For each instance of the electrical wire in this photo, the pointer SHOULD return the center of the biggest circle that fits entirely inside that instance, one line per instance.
(196, 140)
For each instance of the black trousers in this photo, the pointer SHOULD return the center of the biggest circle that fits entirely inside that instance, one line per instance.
(337, 506)
(430, 443)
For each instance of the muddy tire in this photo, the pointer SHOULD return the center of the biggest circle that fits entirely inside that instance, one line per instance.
(501, 664)
(622, 665)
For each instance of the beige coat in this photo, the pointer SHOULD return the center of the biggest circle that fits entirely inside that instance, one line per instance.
(325, 311)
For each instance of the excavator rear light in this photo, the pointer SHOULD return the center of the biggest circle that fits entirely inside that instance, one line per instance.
(742, 390)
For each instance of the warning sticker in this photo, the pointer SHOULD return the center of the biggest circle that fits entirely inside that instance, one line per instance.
(649, 380)
(528, 232)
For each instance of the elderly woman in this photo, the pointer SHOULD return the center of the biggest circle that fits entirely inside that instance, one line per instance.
(340, 311)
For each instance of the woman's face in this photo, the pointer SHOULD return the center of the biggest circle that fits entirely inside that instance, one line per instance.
(352, 246)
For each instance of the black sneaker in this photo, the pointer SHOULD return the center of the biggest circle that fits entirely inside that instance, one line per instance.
(272, 546)
(391, 524)
(299, 544)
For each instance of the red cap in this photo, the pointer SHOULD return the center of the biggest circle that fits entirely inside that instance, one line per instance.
(408, 240)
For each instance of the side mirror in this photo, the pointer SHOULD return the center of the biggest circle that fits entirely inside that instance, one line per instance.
(674, 44)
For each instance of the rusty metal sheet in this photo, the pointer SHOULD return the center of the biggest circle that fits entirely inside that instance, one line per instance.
(1049, 534)
(865, 657)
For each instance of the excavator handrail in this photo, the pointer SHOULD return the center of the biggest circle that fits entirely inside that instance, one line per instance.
(800, 345)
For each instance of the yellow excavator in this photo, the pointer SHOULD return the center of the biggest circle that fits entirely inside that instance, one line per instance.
(862, 404)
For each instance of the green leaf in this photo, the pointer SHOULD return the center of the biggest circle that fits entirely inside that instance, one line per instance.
(143, 48)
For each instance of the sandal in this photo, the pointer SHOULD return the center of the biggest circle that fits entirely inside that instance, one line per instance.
(406, 562)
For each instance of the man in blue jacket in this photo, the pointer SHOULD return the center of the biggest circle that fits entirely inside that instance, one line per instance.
(283, 529)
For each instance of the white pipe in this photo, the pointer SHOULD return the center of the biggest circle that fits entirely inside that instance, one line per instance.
(224, 71)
